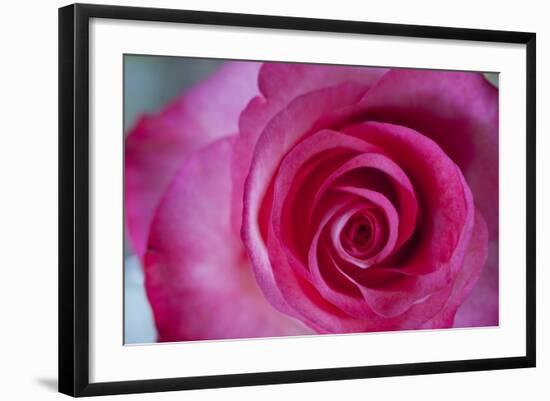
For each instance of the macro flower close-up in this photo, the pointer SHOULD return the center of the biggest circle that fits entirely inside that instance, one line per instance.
(281, 199)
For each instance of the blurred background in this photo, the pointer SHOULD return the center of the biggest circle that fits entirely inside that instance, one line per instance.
(150, 82)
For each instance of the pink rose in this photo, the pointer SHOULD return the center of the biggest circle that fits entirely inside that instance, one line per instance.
(282, 199)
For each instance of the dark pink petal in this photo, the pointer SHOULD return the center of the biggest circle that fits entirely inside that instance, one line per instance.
(277, 139)
(351, 314)
(281, 83)
(158, 144)
(448, 214)
(445, 200)
(326, 273)
(392, 223)
(198, 279)
(406, 198)
(328, 277)
(459, 111)
(295, 183)
(414, 289)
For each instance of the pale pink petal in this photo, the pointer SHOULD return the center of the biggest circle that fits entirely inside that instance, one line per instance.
(158, 144)
(481, 307)
(474, 265)
(198, 279)
(285, 81)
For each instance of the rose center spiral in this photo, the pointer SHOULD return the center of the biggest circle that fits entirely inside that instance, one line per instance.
(361, 235)
(358, 233)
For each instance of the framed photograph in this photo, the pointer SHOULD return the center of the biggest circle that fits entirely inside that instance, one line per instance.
(251, 199)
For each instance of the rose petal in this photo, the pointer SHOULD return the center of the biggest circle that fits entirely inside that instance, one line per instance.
(328, 278)
(439, 184)
(474, 263)
(481, 307)
(158, 144)
(297, 179)
(446, 224)
(285, 81)
(325, 317)
(392, 222)
(199, 283)
(459, 111)
(281, 83)
(406, 198)
(277, 139)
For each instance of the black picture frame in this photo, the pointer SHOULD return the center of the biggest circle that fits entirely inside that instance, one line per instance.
(74, 198)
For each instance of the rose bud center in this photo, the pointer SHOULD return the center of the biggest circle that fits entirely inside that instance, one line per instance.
(358, 232)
